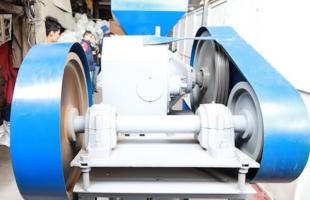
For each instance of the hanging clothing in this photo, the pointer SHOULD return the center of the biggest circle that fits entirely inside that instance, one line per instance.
(8, 72)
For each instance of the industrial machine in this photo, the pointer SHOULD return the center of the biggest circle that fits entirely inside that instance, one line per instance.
(245, 122)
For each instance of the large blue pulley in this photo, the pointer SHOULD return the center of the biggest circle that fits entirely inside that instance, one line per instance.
(52, 79)
(281, 142)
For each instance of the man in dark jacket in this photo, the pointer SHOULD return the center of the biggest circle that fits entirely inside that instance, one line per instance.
(86, 44)
(88, 50)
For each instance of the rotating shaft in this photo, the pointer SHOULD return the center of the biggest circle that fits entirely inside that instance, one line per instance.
(157, 124)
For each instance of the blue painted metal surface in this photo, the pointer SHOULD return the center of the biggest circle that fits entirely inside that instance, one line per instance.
(35, 121)
(286, 123)
(140, 17)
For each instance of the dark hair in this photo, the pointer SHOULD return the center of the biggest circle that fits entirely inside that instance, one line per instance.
(52, 24)
(86, 33)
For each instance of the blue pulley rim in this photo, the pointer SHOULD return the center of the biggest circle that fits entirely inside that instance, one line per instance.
(38, 140)
(286, 142)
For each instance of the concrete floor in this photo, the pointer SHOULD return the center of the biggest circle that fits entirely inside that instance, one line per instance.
(8, 187)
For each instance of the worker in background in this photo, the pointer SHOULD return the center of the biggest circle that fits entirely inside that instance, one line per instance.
(86, 44)
(53, 29)
(101, 34)
(95, 51)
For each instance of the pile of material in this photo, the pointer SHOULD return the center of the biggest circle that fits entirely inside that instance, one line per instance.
(83, 24)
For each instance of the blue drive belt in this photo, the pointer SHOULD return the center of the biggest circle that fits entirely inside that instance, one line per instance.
(286, 123)
(35, 121)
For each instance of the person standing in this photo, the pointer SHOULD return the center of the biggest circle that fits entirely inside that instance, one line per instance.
(53, 29)
(86, 44)
(95, 50)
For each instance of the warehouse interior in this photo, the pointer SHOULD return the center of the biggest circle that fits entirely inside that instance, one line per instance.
(154, 100)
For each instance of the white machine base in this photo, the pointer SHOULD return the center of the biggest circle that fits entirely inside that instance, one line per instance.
(154, 150)
(161, 166)
(165, 183)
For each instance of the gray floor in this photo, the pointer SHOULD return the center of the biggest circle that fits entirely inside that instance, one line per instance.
(8, 187)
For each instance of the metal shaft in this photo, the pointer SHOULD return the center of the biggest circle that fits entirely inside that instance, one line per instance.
(158, 124)
(79, 124)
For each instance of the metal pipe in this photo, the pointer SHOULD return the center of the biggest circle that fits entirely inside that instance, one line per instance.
(242, 176)
(158, 124)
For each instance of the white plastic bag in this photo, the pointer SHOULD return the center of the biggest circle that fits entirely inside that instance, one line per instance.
(5, 134)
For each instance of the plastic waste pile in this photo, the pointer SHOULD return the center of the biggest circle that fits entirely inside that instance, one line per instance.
(82, 24)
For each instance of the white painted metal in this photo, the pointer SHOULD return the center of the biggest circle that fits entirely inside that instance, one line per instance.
(182, 76)
(158, 124)
(147, 88)
(162, 184)
(144, 69)
(213, 126)
(160, 150)
(100, 130)
(187, 27)
(138, 84)
(155, 78)
(176, 85)
(193, 23)
(178, 67)
(217, 131)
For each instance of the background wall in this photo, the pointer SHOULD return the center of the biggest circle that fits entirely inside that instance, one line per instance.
(277, 29)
